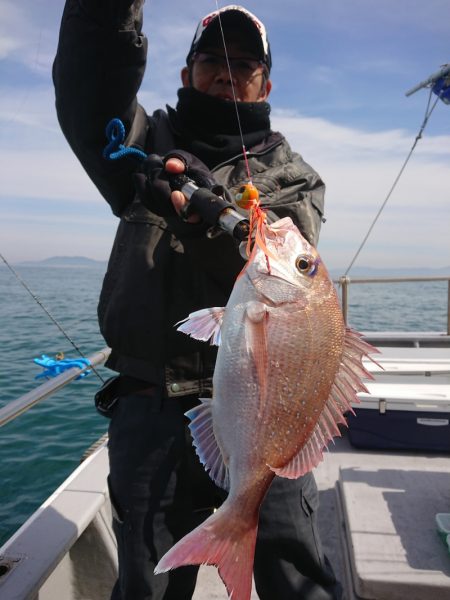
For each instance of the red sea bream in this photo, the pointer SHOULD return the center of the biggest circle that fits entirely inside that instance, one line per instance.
(287, 370)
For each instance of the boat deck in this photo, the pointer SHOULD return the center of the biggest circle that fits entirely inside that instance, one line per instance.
(376, 516)
(377, 508)
(377, 521)
(388, 502)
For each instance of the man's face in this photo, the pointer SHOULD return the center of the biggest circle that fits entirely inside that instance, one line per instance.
(209, 73)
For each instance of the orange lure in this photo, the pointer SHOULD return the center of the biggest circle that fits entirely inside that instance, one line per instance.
(248, 199)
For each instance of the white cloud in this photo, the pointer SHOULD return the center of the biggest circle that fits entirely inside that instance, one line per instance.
(12, 17)
(351, 16)
(359, 169)
(7, 46)
(30, 113)
(23, 39)
(357, 164)
(49, 175)
(343, 142)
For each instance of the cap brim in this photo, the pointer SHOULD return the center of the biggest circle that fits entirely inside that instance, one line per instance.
(234, 23)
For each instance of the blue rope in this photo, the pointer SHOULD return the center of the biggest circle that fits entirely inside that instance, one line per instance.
(115, 132)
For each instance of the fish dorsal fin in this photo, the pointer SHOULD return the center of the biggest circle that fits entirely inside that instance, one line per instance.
(205, 443)
(204, 324)
(343, 393)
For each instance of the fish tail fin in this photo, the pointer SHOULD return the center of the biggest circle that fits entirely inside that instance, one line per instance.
(224, 540)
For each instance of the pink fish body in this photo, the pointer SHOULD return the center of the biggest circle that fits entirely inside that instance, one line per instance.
(287, 369)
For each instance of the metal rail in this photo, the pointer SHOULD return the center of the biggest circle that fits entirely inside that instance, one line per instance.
(345, 282)
(17, 407)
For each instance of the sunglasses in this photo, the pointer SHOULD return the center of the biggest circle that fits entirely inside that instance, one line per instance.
(241, 68)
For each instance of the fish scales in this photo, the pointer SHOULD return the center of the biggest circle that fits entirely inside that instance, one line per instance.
(293, 400)
(287, 369)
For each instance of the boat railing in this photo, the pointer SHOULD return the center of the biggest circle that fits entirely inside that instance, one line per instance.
(344, 283)
(17, 407)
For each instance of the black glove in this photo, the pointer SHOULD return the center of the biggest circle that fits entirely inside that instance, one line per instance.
(195, 169)
(154, 185)
(124, 15)
(205, 198)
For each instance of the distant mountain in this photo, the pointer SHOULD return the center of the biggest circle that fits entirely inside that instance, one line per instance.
(392, 272)
(83, 261)
(64, 261)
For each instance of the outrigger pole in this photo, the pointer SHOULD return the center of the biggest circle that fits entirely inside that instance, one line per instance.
(439, 82)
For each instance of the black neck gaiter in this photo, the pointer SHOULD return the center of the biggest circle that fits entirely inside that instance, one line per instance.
(208, 127)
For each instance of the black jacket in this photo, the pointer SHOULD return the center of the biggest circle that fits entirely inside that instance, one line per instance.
(160, 269)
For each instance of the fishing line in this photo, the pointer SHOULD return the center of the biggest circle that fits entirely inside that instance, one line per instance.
(47, 312)
(244, 149)
(10, 267)
(428, 113)
(257, 216)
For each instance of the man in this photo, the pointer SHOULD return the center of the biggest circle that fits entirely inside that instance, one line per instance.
(163, 267)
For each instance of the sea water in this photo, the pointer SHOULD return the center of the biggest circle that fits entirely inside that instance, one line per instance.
(39, 449)
(42, 447)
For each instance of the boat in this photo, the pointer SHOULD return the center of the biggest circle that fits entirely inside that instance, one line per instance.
(378, 506)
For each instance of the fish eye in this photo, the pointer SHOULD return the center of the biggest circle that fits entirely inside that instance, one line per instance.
(305, 264)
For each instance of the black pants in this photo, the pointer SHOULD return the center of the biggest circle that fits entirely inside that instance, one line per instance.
(160, 492)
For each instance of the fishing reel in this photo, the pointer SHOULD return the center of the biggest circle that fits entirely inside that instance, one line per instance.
(212, 207)
(210, 204)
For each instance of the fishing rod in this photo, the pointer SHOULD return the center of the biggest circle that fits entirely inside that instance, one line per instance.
(50, 316)
(16, 274)
(220, 211)
(214, 209)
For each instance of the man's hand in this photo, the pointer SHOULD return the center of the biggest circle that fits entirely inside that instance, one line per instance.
(176, 166)
(153, 186)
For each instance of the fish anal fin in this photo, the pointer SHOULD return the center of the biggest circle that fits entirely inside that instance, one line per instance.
(205, 443)
(343, 394)
(308, 457)
(203, 324)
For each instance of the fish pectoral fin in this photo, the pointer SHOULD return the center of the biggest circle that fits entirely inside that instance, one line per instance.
(256, 318)
(204, 324)
(344, 390)
(256, 311)
(205, 443)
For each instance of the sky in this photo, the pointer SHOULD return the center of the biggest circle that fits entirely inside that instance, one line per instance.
(340, 72)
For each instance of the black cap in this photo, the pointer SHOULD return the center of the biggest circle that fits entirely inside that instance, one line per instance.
(235, 18)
